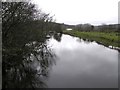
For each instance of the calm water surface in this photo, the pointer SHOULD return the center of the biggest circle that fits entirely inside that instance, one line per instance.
(82, 64)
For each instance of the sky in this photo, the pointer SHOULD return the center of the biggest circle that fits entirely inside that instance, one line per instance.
(95, 12)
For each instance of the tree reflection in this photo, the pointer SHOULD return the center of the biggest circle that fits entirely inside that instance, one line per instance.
(57, 36)
(86, 41)
(28, 67)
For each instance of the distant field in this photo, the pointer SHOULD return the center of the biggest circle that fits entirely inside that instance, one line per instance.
(101, 37)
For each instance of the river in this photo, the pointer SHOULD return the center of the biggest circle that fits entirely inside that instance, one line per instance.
(82, 64)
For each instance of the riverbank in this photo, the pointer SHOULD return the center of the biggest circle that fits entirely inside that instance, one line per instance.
(107, 39)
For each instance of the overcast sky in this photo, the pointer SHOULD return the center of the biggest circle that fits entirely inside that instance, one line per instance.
(81, 11)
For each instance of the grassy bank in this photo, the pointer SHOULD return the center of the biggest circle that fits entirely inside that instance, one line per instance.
(107, 39)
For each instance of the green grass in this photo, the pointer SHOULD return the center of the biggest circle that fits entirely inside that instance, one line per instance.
(104, 38)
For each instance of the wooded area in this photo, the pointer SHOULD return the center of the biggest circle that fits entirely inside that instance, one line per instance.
(24, 31)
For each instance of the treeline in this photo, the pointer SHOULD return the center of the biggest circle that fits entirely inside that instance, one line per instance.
(101, 28)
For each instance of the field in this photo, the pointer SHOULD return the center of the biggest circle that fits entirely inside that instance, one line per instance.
(105, 38)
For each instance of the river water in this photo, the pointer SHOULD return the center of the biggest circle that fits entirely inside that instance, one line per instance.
(82, 64)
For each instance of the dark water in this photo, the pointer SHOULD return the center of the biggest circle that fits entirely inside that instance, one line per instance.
(82, 64)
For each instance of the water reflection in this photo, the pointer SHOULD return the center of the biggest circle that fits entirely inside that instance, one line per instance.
(58, 36)
(83, 64)
(79, 64)
(27, 67)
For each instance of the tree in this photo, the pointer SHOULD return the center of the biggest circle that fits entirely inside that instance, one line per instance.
(24, 30)
(15, 13)
(18, 16)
